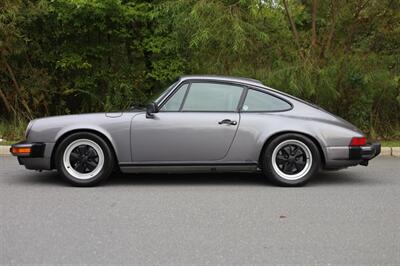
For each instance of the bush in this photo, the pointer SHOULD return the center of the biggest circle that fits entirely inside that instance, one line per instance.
(73, 56)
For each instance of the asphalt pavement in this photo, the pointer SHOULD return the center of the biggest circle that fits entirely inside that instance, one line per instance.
(346, 217)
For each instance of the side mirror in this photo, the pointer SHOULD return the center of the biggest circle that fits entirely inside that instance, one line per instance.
(151, 109)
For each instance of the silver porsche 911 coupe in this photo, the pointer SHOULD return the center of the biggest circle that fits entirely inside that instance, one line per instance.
(199, 123)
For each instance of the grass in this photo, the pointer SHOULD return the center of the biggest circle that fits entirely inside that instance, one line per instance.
(390, 143)
(7, 142)
(14, 130)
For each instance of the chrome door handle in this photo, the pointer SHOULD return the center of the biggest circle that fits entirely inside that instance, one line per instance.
(228, 122)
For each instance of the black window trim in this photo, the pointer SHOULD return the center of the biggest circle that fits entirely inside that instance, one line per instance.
(170, 89)
(262, 90)
(171, 94)
(184, 96)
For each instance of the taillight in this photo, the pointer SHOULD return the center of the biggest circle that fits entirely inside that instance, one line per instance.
(358, 141)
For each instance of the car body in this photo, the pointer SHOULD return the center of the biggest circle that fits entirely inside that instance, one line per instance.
(203, 123)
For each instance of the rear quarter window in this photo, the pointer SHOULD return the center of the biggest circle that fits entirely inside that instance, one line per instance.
(257, 101)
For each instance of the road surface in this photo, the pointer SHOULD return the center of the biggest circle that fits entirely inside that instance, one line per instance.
(346, 217)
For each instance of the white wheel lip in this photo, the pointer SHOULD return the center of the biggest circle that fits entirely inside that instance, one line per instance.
(306, 168)
(72, 171)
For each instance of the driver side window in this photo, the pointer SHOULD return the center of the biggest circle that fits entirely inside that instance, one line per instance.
(204, 97)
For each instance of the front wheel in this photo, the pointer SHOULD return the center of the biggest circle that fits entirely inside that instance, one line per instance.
(291, 160)
(84, 159)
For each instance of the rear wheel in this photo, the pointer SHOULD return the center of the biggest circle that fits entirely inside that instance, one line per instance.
(84, 159)
(291, 160)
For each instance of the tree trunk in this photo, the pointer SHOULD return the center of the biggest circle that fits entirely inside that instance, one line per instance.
(326, 46)
(17, 88)
(6, 102)
(293, 28)
(314, 24)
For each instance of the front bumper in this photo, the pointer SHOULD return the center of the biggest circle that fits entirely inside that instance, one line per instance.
(28, 150)
(365, 153)
(33, 155)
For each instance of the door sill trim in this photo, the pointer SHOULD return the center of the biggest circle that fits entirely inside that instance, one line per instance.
(187, 168)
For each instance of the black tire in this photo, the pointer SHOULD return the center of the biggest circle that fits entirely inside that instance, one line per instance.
(101, 171)
(279, 154)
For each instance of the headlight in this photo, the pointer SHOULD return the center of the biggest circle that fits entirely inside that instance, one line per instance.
(28, 128)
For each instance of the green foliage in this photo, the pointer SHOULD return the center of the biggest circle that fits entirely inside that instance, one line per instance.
(12, 131)
(390, 143)
(72, 56)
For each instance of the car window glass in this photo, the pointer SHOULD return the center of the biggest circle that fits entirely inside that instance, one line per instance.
(260, 101)
(174, 103)
(212, 97)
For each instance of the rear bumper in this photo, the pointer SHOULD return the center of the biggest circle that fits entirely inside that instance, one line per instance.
(345, 156)
(35, 155)
(365, 153)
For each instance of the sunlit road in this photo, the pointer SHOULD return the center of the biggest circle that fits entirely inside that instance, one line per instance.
(346, 217)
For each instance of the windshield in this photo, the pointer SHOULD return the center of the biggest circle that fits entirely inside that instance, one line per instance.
(165, 92)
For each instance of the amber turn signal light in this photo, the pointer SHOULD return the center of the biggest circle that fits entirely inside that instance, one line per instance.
(22, 150)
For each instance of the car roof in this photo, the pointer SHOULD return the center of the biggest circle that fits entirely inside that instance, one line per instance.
(248, 81)
(222, 78)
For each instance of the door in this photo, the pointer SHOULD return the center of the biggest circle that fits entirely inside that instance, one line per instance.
(197, 124)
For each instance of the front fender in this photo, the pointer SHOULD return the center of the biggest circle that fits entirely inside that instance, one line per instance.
(115, 129)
